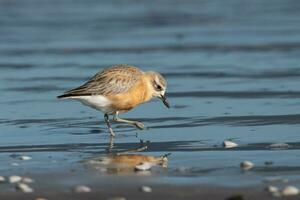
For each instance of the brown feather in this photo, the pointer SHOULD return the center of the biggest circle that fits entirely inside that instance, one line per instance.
(115, 80)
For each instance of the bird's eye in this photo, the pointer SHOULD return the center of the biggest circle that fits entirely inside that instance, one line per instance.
(158, 87)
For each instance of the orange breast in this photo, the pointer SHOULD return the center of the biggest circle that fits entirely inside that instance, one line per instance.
(135, 96)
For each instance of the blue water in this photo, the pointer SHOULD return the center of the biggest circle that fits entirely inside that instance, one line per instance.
(232, 68)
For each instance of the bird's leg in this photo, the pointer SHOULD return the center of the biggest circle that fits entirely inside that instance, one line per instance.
(110, 145)
(106, 118)
(139, 125)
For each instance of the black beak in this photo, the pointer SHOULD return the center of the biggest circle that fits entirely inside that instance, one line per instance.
(165, 101)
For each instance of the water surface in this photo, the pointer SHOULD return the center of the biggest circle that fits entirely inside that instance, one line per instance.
(233, 73)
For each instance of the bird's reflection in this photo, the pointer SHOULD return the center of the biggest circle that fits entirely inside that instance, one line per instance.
(142, 146)
(128, 161)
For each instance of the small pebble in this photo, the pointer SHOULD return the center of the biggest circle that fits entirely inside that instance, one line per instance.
(143, 166)
(146, 189)
(2, 179)
(290, 191)
(229, 144)
(272, 189)
(117, 198)
(246, 165)
(25, 158)
(81, 189)
(24, 188)
(27, 180)
(14, 179)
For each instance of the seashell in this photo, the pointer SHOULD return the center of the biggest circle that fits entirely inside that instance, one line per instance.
(229, 144)
(246, 165)
(14, 179)
(272, 189)
(290, 191)
(24, 188)
(81, 189)
(146, 189)
(2, 179)
(25, 158)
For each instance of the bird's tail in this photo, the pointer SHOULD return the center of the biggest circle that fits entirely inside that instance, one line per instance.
(63, 96)
(70, 95)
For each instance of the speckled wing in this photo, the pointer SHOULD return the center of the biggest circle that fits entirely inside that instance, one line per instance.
(114, 80)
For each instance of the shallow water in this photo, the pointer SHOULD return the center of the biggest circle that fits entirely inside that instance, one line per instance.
(233, 73)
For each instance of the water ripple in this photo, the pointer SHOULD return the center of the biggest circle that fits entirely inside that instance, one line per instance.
(169, 146)
(281, 47)
(162, 122)
(236, 94)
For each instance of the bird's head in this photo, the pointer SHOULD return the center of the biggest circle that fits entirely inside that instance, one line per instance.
(158, 86)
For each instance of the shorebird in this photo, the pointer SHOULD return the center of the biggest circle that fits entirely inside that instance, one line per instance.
(119, 89)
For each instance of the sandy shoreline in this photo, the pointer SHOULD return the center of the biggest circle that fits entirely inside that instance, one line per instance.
(158, 192)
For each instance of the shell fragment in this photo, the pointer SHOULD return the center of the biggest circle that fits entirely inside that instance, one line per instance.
(229, 144)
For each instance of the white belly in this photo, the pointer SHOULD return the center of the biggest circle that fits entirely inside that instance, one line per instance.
(97, 102)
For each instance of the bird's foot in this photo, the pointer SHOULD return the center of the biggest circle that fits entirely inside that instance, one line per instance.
(139, 125)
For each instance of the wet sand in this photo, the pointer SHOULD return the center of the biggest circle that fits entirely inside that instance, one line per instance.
(159, 192)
